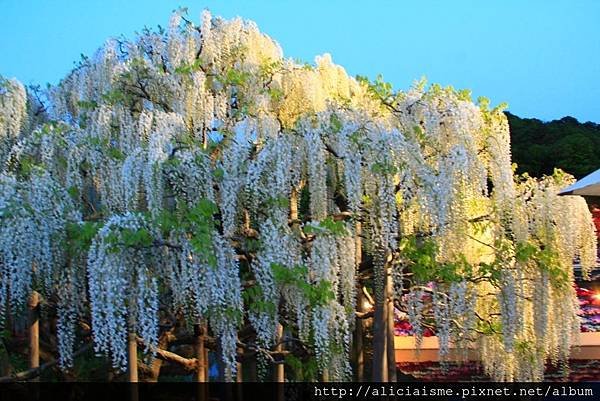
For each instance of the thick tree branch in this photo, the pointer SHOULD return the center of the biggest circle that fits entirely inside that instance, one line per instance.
(188, 363)
(33, 373)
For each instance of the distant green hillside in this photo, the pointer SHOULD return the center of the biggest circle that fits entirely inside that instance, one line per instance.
(538, 147)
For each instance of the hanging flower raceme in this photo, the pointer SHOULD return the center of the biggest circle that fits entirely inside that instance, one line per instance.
(231, 176)
(13, 113)
(122, 287)
(225, 307)
(35, 211)
(330, 320)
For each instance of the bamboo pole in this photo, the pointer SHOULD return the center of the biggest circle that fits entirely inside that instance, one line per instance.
(34, 331)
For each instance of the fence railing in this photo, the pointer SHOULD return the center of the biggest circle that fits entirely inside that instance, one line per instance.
(589, 348)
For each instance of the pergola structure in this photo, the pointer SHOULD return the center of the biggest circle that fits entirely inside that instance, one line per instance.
(588, 186)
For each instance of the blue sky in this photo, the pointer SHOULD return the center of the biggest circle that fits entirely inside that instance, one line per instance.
(542, 57)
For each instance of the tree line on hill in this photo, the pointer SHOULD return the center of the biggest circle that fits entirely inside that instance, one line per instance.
(538, 147)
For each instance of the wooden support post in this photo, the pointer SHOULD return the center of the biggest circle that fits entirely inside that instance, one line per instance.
(204, 137)
(294, 204)
(132, 363)
(280, 367)
(252, 373)
(34, 331)
(200, 373)
(391, 352)
(358, 345)
(384, 357)
(239, 375)
(378, 341)
(206, 365)
(380, 331)
(294, 212)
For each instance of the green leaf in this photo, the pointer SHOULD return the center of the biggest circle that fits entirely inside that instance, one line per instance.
(73, 191)
(87, 104)
(278, 202)
(525, 251)
(384, 168)
(328, 226)
(335, 123)
(79, 237)
(116, 153)
(218, 174)
(275, 94)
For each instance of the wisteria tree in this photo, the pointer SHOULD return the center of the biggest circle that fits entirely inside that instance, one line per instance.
(195, 176)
